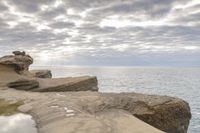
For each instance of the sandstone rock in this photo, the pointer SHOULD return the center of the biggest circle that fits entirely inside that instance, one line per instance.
(19, 61)
(23, 84)
(42, 73)
(19, 53)
(95, 112)
(168, 114)
(85, 83)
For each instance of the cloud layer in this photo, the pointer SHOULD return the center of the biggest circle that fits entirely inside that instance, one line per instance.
(102, 32)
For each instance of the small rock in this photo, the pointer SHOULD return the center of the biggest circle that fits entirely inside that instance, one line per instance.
(19, 53)
(42, 73)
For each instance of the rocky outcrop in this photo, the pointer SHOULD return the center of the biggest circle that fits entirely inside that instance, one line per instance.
(168, 114)
(24, 84)
(85, 83)
(20, 61)
(91, 112)
(42, 73)
(95, 112)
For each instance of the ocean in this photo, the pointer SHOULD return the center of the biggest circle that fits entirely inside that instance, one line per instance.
(178, 82)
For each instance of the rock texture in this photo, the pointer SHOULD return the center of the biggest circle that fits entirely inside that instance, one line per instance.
(42, 73)
(20, 61)
(85, 83)
(168, 114)
(93, 112)
(24, 84)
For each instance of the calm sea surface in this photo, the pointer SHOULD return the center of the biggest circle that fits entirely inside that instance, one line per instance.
(178, 82)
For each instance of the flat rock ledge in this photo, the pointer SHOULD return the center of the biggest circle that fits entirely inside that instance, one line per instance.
(85, 83)
(73, 105)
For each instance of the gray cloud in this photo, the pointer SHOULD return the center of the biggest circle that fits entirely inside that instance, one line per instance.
(85, 30)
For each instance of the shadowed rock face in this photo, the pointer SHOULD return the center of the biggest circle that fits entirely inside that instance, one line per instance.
(20, 61)
(24, 84)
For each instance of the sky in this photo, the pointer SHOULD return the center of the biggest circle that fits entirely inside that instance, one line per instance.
(103, 32)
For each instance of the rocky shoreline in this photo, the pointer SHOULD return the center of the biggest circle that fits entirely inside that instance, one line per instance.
(74, 105)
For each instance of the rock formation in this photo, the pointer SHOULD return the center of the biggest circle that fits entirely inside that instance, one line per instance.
(19, 53)
(76, 108)
(168, 114)
(42, 73)
(85, 83)
(20, 61)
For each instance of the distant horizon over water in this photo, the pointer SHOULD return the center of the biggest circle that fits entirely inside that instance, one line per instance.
(119, 66)
(182, 82)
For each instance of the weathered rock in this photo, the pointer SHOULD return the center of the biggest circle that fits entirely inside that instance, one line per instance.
(24, 84)
(42, 73)
(168, 114)
(95, 112)
(19, 53)
(85, 83)
(20, 61)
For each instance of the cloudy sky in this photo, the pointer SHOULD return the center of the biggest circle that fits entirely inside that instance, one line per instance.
(103, 32)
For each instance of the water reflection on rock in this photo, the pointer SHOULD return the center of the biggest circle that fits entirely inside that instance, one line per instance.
(18, 123)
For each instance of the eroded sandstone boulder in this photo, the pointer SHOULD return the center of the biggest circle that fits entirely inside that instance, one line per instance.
(42, 73)
(24, 84)
(20, 61)
(168, 114)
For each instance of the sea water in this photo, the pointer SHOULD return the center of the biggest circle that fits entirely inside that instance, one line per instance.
(179, 82)
(17, 123)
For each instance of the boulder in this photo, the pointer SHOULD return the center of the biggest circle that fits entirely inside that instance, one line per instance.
(171, 115)
(23, 84)
(19, 53)
(20, 61)
(42, 73)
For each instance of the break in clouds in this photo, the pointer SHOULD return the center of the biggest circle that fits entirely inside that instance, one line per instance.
(102, 32)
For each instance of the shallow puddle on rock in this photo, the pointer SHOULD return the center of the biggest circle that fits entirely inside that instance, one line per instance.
(18, 123)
